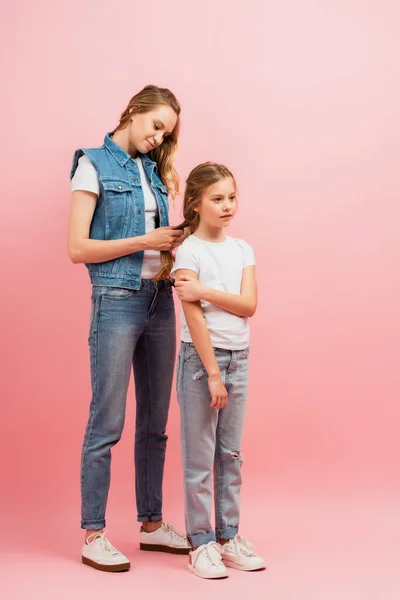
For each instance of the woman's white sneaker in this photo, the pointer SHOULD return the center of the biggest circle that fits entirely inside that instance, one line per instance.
(100, 554)
(237, 554)
(206, 562)
(164, 539)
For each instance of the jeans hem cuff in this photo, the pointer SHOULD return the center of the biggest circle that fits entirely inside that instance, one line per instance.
(227, 534)
(149, 517)
(201, 538)
(95, 525)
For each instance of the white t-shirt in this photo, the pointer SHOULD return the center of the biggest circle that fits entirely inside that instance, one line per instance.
(86, 178)
(219, 266)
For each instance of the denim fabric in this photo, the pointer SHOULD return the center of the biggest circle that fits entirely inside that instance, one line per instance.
(128, 327)
(211, 441)
(120, 211)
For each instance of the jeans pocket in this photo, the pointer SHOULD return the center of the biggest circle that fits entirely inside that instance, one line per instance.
(117, 293)
(244, 353)
(191, 355)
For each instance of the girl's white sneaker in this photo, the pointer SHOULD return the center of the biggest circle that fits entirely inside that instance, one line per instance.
(206, 561)
(100, 554)
(237, 554)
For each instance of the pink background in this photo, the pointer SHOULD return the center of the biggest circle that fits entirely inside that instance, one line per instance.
(301, 101)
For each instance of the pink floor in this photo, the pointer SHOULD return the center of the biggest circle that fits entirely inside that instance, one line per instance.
(341, 545)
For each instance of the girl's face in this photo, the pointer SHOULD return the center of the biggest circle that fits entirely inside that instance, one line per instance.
(149, 130)
(218, 204)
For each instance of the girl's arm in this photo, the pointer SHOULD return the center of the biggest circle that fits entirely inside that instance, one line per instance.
(201, 338)
(82, 249)
(243, 305)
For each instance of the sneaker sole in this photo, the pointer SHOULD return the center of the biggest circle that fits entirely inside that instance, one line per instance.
(204, 576)
(169, 549)
(110, 568)
(233, 565)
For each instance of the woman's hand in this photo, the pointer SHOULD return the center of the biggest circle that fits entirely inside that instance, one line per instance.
(184, 234)
(162, 238)
(219, 395)
(189, 290)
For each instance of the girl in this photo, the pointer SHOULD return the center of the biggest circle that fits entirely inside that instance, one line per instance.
(119, 228)
(215, 280)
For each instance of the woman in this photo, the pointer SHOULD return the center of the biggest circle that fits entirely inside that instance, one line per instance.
(119, 227)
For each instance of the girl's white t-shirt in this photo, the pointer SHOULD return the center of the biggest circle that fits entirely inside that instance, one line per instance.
(86, 178)
(219, 266)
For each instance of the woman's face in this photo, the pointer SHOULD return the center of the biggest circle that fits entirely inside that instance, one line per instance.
(149, 130)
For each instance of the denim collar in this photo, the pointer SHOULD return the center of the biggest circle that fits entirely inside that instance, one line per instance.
(120, 155)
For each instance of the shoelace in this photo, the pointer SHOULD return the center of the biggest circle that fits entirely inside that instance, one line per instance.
(214, 561)
(174, 532)
(100, 538)
(242, 545)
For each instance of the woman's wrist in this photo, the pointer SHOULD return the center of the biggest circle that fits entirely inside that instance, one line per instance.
(138, 243)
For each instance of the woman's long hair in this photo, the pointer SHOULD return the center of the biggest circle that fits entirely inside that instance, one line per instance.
(200, 178)
(145, 101)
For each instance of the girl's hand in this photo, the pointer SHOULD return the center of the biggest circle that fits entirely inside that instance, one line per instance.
(189, 290)
(219, 395)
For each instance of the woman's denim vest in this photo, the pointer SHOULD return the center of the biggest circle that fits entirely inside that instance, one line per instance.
(120, 211)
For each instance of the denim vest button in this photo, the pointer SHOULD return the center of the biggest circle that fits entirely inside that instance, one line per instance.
(139, 212)
(134, 179)
(120, 187)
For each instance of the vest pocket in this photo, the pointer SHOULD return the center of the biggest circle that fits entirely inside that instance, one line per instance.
(160, 186)
(118, 196)
(162, 199)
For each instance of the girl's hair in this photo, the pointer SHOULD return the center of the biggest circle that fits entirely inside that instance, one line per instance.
(200, 178)
(145, 101)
